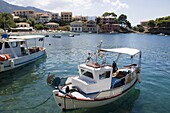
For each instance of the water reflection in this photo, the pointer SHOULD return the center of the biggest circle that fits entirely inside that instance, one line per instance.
(15, 81)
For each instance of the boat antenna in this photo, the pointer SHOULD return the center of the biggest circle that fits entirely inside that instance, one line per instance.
(100, 45)
(98, 49)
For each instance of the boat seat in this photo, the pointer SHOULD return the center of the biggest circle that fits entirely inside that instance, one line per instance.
(116, 82)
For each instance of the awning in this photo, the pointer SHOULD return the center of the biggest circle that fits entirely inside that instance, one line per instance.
(26, 37)
(129, 51)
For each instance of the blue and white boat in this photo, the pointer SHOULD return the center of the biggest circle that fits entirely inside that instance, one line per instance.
(16, 51)
(100, 82)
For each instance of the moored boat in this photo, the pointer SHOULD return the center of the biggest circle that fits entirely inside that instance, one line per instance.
(71, 35)
(16, 51)
(100, 82)
(56, 36)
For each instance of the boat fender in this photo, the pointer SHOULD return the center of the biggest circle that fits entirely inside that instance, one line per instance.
(7, 56)
(137, 70)
(12, 64)
(1, 67)
(138, 77)
(3, 58)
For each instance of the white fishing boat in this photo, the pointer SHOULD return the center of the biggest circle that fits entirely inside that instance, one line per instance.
(16, 51)
(99, 82)
(56, 36)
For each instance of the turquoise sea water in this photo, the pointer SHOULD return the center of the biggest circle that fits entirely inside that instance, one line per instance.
(23, 90)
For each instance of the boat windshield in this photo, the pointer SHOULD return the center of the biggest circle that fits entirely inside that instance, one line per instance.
(87, 73)
(104, 75)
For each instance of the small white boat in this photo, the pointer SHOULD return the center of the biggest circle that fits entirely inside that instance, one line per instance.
(56, 36)
(90, 32)
(16, 51)
(99, 82)
(71, 35)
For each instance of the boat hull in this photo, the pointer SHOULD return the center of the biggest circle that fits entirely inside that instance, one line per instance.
(20, 61)
(65, 102)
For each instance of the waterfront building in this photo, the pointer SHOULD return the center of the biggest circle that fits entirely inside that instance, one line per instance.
(24, 13)
(107, 28)
(52, 25)
(90, 26)
(15, 18)
(55, 17)
(107, 19)
(66, 16)
(22, 26)
(76, 26)
(43, 17)
(80, 18)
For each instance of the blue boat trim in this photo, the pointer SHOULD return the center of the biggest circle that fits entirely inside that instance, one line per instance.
(29, 60)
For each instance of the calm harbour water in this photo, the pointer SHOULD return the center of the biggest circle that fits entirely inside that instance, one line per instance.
(23, 90)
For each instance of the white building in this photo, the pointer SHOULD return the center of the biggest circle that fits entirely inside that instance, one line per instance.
(76, 26)
(43, 18)
(52, 25)
(24, 13)
(66, 16)
(55, 17)
(22, 26)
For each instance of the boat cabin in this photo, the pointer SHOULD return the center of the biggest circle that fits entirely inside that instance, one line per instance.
(93, 78)
(12, 48)
(17, 46)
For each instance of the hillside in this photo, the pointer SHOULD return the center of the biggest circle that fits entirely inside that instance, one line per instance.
(6, 7)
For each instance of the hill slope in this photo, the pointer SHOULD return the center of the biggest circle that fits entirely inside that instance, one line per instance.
(6, 7)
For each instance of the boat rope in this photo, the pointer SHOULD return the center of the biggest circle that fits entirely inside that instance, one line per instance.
(33, 107)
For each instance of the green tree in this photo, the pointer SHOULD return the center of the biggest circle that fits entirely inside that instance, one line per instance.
(39, 26)
(31, 21)
(128, 24)
(140, 28)
(151, 23)
(20, 20)
(6, 21)
(122, 19)
(106, 14)
(113, 14)
(109, 14)
(163, 23)
(135, 28)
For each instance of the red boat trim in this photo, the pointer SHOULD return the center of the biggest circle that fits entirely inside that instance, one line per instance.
(82, 99)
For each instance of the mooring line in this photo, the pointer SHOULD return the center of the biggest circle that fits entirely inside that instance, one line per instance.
(33, 107)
